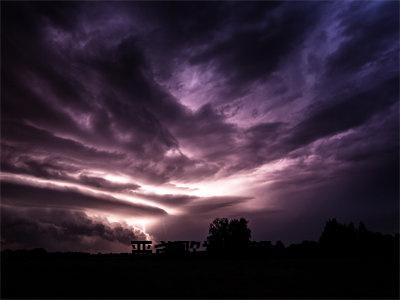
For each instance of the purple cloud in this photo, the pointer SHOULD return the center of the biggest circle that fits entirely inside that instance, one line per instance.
(181, 112)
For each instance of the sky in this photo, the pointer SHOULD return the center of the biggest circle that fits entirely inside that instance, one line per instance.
(147, 120)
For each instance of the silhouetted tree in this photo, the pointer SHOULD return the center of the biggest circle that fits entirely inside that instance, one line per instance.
(228, 236)
(261, 248)
(218, 235)
(279, 245)
(304, 249)
(346, 240)
(337, 238)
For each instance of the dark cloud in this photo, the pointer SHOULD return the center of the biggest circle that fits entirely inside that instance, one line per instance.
(25, 135)
(56, 168)
(195, 204)
(14, 160)
(373, 27)
(63, 230)
(345, 113)
(213, 205)
(249, 54)
(169, 199)
(290, 99)
(20, 194)
(105, 184)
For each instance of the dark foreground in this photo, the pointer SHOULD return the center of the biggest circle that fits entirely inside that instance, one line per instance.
(125, 276)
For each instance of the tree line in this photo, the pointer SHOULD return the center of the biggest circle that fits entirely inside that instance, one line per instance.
(233, 237)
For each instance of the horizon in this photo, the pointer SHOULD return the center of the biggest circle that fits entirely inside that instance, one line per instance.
(148, 120)
(147, 246)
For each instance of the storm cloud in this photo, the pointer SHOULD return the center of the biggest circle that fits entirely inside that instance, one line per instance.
(160, 113)
(63, 230)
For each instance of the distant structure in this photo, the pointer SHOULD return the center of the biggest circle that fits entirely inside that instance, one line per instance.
(187, 247)
(169, 247)
(179, 247)
(141, 247)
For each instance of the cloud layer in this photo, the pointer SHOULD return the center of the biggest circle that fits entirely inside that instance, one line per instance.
(162, 113)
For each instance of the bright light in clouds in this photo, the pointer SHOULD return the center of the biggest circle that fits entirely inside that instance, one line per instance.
(229, 186)
(159, 189)
(137, 223)
(220, 187)
(244, 184)
(141, 224)
(113, 177)
(238, 185)
(241, 184)
(34, 181)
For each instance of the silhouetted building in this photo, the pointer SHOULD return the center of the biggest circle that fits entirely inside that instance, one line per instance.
(141, 247)
(178, 247)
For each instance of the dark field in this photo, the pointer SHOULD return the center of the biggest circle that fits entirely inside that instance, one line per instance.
(125, 276)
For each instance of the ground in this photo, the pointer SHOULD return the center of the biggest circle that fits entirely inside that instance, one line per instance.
(125, 276)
